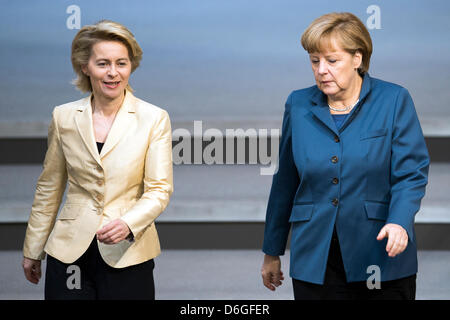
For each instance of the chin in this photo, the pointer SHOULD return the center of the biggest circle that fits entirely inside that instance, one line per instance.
(113, 94)
(330, 91)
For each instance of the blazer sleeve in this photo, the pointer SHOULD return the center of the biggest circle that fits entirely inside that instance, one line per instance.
(284, 186)
(409, 165)
(158, 179)
(47, 199)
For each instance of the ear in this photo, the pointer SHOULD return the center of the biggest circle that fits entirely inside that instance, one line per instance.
(85, 70)
(357, 60)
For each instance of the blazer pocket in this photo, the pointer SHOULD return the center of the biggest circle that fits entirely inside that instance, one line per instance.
(301, 212)
(69, 212)
(373, 134)
(377, 210)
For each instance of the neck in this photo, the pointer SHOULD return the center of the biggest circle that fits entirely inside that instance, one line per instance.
(105, 106)
(349, 96)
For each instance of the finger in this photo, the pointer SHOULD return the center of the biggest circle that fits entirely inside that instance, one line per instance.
(106, 232)
(268, 285)
(106, 228)
(395, 245)
(394, 250)
(38, 271)
(390, 242)
(113, 237)
(277, 284)
(109, 226)
(382, 234)
(102, 237)
(405, 242)
(406, 237)
(106, 239)
(116, 238)
(276, 280)
(401, 245)
(34, 278)
(266, 281)
(27, 273)
(31, 276)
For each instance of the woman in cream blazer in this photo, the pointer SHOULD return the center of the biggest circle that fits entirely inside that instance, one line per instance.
(114, 151)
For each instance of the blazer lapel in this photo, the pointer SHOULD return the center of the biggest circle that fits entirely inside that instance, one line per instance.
(85, 127)
(320, 111)
(365, 90)
(121, 123)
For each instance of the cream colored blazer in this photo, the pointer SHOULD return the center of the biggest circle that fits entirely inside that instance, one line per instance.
(130, 179)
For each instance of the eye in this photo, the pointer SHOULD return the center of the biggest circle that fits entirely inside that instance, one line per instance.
(101, 64)
(332, 61)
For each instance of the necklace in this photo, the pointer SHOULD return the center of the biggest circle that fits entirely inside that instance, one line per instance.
(345, 108)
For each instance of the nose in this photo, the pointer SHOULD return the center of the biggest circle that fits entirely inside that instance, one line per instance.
(323, 68)
(112, 71)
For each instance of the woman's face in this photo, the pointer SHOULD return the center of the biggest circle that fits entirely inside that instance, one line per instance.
(109, 68)
(335, 70)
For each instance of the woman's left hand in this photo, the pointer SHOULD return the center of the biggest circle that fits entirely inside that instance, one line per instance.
(113, 232)
(397, 238)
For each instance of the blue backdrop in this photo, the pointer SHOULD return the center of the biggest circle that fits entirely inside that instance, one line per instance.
(203, 59)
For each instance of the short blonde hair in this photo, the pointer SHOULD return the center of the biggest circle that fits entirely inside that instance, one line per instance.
(350, 33)
(104, 30)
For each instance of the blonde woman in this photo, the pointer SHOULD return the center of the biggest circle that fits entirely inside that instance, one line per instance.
(352, 172)
(114, 152)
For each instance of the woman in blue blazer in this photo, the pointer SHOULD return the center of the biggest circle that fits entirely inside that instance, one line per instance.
(353, 166)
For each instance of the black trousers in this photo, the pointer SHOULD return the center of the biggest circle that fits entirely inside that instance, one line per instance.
(336, 287)
(90, 278)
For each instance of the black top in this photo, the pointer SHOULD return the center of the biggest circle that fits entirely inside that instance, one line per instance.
(100, 146)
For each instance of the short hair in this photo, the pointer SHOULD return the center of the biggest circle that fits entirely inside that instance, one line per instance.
(104, 30)
(350, 33)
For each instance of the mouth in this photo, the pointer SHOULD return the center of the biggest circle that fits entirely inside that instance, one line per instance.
(111, 84)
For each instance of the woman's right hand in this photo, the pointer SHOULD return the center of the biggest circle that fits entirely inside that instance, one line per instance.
(271, 272)
(32, 269)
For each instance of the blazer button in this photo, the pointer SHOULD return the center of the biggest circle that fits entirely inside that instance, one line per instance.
(335, 202)
(336, 139)
(335, 181)
(99, 183)
(334, 159)
(99, 197)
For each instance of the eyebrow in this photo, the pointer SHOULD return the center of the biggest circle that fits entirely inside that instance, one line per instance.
(336, 54)
(105, 59)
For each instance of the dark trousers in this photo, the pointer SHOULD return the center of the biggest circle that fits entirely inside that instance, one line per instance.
(90, 278)
(336, 287)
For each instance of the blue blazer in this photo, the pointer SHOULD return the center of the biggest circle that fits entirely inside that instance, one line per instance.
(370, 172)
